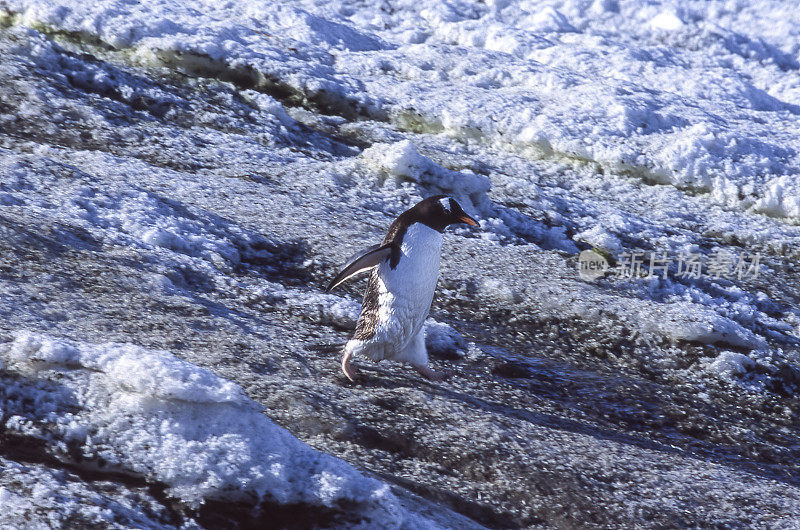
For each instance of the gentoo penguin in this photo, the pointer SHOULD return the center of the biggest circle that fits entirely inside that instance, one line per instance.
(405, 269)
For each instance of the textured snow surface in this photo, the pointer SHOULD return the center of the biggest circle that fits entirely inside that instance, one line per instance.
(147, 412)
(675, 93)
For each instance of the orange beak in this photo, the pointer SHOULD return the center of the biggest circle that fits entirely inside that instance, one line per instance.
(469, 220)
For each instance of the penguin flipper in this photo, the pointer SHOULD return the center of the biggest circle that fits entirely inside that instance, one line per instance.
(362, 261)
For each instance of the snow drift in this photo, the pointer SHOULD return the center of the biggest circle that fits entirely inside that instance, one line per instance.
(147, 412)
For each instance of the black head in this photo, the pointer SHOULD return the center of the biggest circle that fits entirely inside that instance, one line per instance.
(438, 212)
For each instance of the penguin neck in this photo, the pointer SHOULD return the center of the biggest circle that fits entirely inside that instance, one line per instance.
(422, 242)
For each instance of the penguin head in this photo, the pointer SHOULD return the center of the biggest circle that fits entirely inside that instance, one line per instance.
(441, 211)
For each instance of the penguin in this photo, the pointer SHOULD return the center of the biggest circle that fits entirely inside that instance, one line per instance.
(405, 270)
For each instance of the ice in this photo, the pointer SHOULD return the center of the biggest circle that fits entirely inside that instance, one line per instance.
(557, 214)
(33, 496)
(13, 504)
(147, 412)
(546, 20)
(498, 291)
(781, 198)
(600, 237)
(441, 338)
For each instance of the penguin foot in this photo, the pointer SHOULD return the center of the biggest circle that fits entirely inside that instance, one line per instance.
(433, 375)
(348, 368)
(351, 373)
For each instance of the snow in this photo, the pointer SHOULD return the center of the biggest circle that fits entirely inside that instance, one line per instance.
(39, 498)
(147, 412)
(442, 338)
(126, 215)
(729, 364)
(402, 160)
(667, 21)
(525, 80)
(675, 115)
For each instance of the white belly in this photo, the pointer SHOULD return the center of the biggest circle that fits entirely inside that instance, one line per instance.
(405, 294)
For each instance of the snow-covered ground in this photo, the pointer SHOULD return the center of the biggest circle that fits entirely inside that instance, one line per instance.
(179, 180)
(148, 413)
